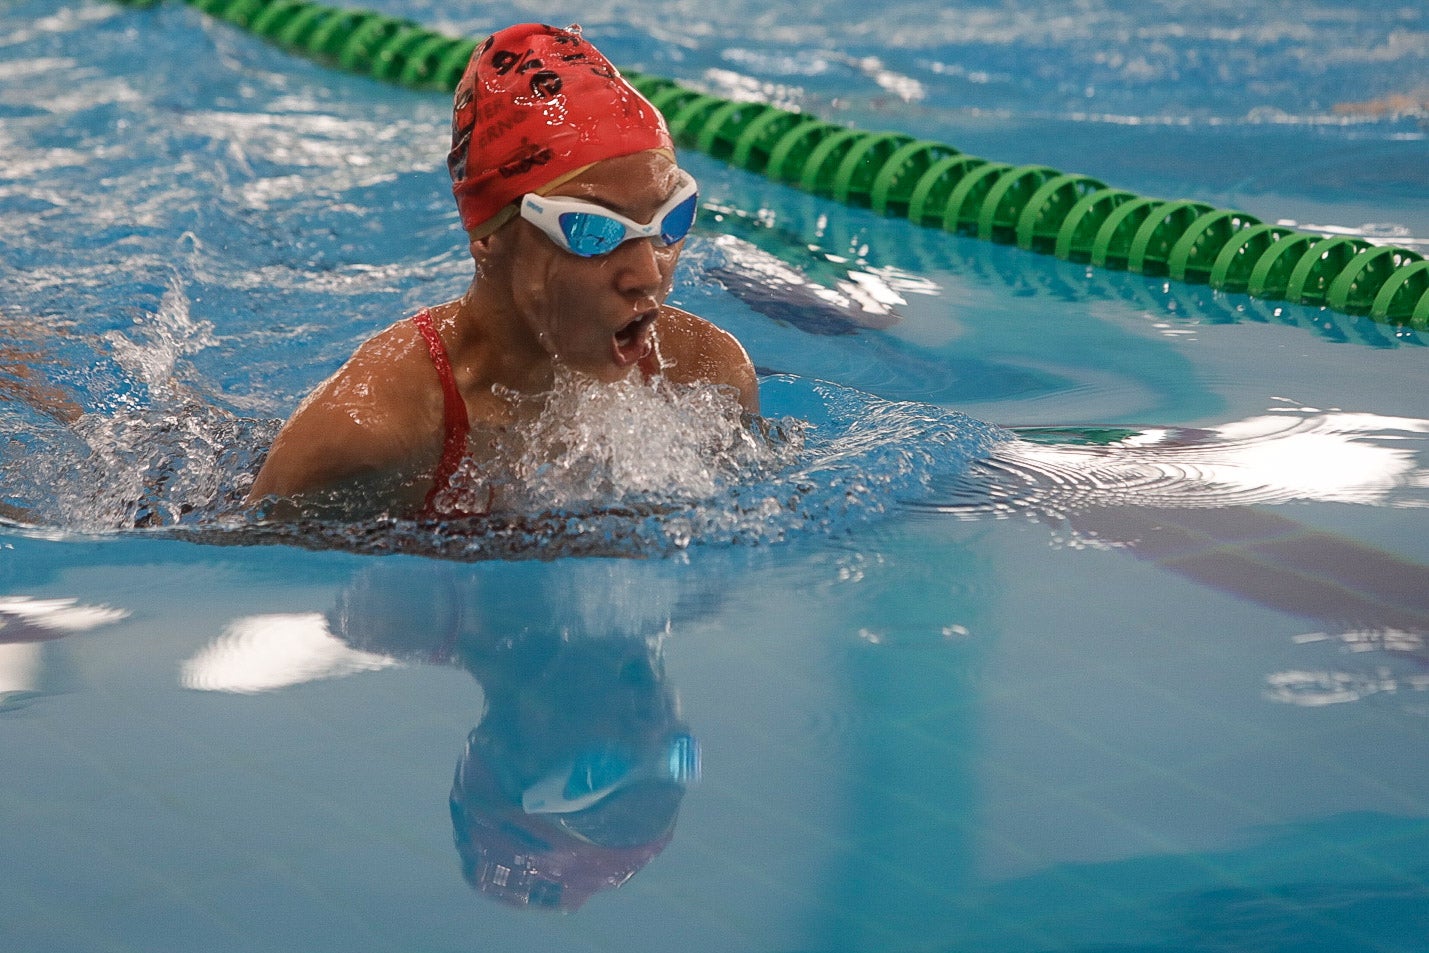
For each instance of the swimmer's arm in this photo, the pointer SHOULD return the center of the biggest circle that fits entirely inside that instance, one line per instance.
(321, 463)
(696, 351)
(357, 445)
(342, 457)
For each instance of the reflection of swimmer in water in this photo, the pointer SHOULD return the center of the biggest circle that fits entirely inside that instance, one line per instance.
(566, 181)
(572, 781)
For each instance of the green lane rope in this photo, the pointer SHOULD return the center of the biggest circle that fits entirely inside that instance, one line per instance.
(1039, 209)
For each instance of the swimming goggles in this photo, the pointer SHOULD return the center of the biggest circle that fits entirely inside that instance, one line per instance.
(593, 776)
(589, 230)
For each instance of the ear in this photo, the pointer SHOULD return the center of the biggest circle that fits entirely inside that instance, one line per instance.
(489, 248)
(485, 240)
(485, 252)
(480, 248)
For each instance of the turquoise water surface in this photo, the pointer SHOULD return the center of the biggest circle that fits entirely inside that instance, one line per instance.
(1066, 609)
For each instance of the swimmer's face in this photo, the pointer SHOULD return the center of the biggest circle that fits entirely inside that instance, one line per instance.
(597, 315)
(593, 691)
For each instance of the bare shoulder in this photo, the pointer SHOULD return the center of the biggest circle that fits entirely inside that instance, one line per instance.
(374, 416)
(692, 350)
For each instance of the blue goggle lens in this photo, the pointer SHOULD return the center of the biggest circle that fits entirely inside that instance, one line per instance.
(676, 225)
(589, 233)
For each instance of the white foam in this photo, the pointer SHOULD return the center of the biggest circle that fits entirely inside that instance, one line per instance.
(596, 444)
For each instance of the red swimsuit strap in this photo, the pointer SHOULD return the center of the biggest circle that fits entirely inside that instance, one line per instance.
(454, 417)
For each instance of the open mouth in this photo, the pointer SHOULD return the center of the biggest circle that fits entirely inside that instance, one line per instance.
(632, 342)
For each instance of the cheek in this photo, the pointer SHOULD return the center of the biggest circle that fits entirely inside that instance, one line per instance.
(533, 302)
(575, 287)
(562, 304)
(541, 289)
(668, 259)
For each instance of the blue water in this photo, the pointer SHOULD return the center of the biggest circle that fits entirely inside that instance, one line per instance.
(1061, 609)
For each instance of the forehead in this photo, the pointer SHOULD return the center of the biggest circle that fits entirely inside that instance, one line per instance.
(632, 185)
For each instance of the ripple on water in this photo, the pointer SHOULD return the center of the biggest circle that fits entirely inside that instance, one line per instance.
(1291, 455)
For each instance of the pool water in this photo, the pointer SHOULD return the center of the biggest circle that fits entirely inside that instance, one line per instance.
(1057, 608)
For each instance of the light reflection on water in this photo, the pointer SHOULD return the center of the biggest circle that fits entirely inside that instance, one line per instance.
(1198, 503)
(925, 725)
(1291, 455)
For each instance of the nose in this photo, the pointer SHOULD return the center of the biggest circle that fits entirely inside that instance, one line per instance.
(643, 265)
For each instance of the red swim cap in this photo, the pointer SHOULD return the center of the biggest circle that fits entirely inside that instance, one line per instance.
(537, 104)
(526, 860)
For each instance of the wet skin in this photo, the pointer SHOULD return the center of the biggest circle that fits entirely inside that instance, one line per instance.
(367, 440)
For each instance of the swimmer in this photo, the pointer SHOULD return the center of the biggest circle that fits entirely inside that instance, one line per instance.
(576, 210)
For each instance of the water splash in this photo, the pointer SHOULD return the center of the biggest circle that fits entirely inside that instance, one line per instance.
(625, 443)
(631, 468)
(638, 469)
(154, 452)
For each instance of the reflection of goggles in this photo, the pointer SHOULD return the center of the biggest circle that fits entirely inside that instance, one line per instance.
(600, 772)
(588, 230)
